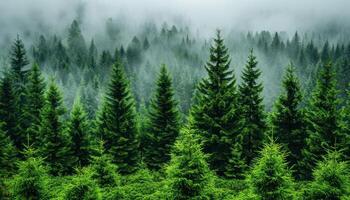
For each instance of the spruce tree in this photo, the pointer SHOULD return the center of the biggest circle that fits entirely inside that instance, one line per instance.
(7, 154)
(188, 174)
(164, 122)
(214, 116)
(331, 179)
(287, 121)
(252, 109)
(117, 123)
(81, 139)
(270, 177)
(76, 44)
(323, 123)
(54, 145)
(18, 60)
(35, 100)
(8, 111)
(345, 127)
(31, 180)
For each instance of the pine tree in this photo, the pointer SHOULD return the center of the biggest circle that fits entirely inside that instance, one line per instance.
(76, 43)
(214, 116)
(331, 179)
(164, 122)
(7, 154)
(252, 109)
(270, 177)
(82, 187)
(54, 146)
(288, 124)
(18, 61)
(188, 174)
(117, 123)
(8, 111)
(345, 127)
(81, 138)
(31, 180)
(323, 123)
(35, 100)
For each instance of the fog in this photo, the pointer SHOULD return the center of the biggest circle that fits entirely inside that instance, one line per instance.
(22, 16)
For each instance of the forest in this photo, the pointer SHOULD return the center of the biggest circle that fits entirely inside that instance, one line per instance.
(163, 112)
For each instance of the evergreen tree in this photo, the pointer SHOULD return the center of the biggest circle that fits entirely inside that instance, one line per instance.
(214, 116)
(270, 177)
(288, 124)
(331, 179)
(34, 103)
(7, 155)
(82, 187)
(76, 44)
(345, 126)
(252, 109)
(79, 132)
(117, 123)
(8, 111)
(188, 174)
(322, 115)
(54, 146)
(31, 180)
(164, 122)
(18, 60)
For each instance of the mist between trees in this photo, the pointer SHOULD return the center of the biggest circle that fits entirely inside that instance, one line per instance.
(172, 115)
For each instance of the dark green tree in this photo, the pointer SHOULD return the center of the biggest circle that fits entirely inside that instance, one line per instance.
(117, 123)
(215, 114)
(35, 101)
(81, 139)
(345, 126)
(252, 109)
(331, 179)
(7, 155)
(287, 120)
(18, 60)
(8, 111)
(270, 177)
(188, 174)
(54, 145)
(163, 123)
(322, 119)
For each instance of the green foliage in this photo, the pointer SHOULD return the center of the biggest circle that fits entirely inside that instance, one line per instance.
(323, 120)
(331, 179)
(288, 123)
(76, 43)
(164, 123)
(117, 123)
(252, 109)
(18, 60)
(82, 187)
(345, 127)
(35, 101)
(270, 177)
(54, 145)
(7, 154)
(215, 115)
(188, 174)
(8, 110)
(31, 180)
(81, 138)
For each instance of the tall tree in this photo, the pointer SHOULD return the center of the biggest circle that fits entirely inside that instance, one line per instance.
(322, 115)
(214, 115)
(188, 173)
(270, 177)
(81, 138)
(35, 101)
(288, 124)
(8, 111)
(54, 145)
(164, 122)
(345, 126)
(252, 109)
(76, 44)
(18, 60)
(117, 123)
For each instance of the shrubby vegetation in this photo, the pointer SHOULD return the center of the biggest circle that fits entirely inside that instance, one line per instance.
(80, 123)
